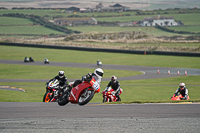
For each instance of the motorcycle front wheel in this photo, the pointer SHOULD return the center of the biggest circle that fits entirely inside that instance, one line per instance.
(85, 97)
(47, 97)
(63, 99)
(104, 100)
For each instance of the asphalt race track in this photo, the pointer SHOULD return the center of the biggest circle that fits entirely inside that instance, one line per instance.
(99, 118)
(23, 117)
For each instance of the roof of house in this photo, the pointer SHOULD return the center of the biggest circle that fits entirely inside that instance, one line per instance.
(73, 8)
(117, 5)
(157, 18)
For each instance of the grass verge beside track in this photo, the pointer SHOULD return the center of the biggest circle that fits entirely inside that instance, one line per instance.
(134, 91)
(151, 90)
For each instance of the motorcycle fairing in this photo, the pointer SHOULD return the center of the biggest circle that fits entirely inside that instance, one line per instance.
(178, 97)
(76, 91)
(95, 85)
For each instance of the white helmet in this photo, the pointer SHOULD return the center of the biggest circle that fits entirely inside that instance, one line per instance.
(61, 74)
(181, 85)
(99, 72)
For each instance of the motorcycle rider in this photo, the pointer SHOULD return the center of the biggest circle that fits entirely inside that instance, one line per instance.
(62, 80)
(115, 85)
(182, 90)
(97, 75)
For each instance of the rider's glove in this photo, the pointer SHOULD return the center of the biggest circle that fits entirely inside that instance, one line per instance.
(89, 75)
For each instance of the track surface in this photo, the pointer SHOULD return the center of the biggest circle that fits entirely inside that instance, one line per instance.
(100, 118)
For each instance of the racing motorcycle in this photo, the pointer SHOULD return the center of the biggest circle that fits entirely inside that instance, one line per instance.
(80, 94)
(179, 97)
(53, 91)
(109, 96)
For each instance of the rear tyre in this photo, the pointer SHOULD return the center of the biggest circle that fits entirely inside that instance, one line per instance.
(63, 99)
(85, 97)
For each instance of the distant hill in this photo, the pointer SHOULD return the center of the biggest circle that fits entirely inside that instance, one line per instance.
(132, 4)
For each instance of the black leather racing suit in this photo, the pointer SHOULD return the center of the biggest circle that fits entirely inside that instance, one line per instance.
(62, 81)
(115, 86)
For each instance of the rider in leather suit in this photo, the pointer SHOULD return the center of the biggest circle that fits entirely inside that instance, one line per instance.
(182, 90)
(98, 74)
(62, 80)
(115, 85)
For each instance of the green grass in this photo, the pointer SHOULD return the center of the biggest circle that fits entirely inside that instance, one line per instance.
(104, 29)
(14, 21)
(151, 90)
(18, 53)
(190, 19)
(27, 30)
(46, 72)
(12, 25)
(195, 29)
(137, 91)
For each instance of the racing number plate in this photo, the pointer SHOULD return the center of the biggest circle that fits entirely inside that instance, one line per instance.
(96, 85)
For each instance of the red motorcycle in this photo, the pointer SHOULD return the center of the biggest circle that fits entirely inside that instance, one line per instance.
(109, 96)
(53, 91)
(80, 94)
(179, 97)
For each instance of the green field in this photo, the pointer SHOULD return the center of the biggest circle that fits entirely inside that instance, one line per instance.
(194, 29)
(10, 25)
(151, 90)
(104, 29)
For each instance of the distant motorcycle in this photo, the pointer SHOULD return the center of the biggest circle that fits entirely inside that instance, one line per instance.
(31, 59)
(53, 91)
(109, 96)
(26, 59)
(46, 61)
(179, 97)
(80, 94)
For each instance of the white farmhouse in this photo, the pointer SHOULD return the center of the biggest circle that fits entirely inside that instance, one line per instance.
(160, 20)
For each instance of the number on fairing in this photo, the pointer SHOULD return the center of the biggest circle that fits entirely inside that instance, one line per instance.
(96, 86)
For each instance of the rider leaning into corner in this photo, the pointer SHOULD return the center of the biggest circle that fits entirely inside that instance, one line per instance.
(182, 90)
(115, 85)
(62, 80)
(97, 75)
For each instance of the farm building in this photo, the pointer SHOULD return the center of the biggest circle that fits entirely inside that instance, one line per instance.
(75, 21)
(159, 20)
(72, 9)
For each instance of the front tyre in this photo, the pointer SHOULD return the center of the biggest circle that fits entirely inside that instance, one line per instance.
(85, 97)
(63, 99)
(104, 100)
(47, 97)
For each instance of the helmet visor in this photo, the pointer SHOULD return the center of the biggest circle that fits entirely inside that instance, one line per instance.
(99, 73)
(61, 75)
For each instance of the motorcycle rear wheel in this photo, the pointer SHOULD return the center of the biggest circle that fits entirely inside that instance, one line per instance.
(84, 99)
(63, 99)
